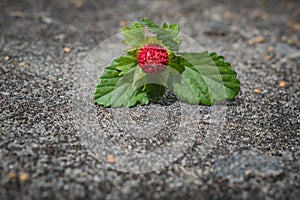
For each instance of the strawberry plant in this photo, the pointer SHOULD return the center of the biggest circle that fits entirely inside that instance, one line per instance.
(153, 63)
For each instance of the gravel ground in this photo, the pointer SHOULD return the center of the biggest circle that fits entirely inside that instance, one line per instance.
(256, 156)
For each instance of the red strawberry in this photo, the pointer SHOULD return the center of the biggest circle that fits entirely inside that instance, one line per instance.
(153, 58)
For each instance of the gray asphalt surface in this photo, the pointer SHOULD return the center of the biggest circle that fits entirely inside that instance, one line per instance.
(257, 155)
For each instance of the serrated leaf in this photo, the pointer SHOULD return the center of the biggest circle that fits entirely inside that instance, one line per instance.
(125, 63)
(175, 63)
(139, 97)
(155, 91)
(192, 88)
(106, 85)
(167, 34)
(115, 89)
(175, 27)
(207, 79)
(134, 36)
(138, 76)
(148, 22)
(168, 37)
(122, 94)
(153, 85)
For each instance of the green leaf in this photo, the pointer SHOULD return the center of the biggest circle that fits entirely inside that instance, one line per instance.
(116, 89)
(175, 63)
(207, 79)
(148, 22)
(153, 85)
(167, 34)
(165, 25)
(122, 94)
(138, 77)
(175, 27)
(106, 85)
(169, 37)
(192, 88)
(155, 91)
(125, 63)
(134, 36)
(140, 97)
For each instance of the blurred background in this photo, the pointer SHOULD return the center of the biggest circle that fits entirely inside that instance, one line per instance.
(43, 42)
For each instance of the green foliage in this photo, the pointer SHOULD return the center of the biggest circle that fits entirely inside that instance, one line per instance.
(198, 78)
(135, 36)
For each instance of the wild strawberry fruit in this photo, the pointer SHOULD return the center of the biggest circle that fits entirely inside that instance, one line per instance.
(153, 58)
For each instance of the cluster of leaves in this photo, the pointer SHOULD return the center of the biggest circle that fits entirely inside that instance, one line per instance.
(197, 78)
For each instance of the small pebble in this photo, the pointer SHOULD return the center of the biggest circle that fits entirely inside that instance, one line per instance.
(267, 57)
(122, 24)
(59, 36)
(256, 40)
(251, 42)
(12, 175)
(295, 40)
(78, 3)
(17, 14)
(294, 25)
(21, 64)
(260, 39)
(6, 58)
(273, 66)
(257, 91)
(284, 38)
(270, 49)
(110, 159)
(67, 50)
(24, 177)
(282, 83)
